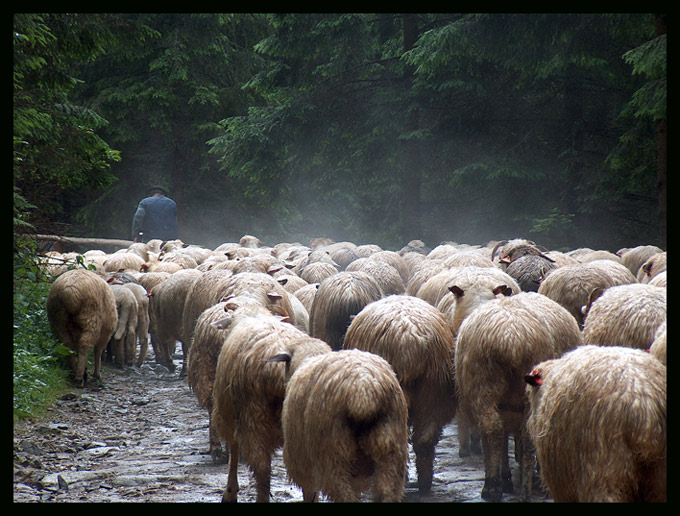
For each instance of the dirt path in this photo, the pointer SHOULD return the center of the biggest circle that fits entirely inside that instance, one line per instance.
(143, 438)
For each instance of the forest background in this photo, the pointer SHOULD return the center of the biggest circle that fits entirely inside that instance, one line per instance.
(369, 127)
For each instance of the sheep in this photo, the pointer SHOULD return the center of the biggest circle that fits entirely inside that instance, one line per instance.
(345, 428)
(315, 272)
(530, 270)
(572, 285)
(635, 257)
(250, 241)
(212, 328)
(654, 265)
(248, 394)
(124, 339)
(123, 262)
(658, 280)
(338, 299)
(81, 311)
(468, 288)
(496, 345)
(386, 275)
(166, 309)
(414, 338)
(142, 330)
(598, 422)
(149, 280)
(599, 255)
(507, 249)
(291, 282)
(625, 315)
(206, 291)
(421, 273)
(306, 295)
(658, 347)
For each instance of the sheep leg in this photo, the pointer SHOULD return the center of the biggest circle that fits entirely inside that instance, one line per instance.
(506, 472)
(424, 442)
(78, 366)
(130, 347)
(215, 443)
(231, 491)
(492, 444)
(526, 462)
(143, 349)
(468, 436)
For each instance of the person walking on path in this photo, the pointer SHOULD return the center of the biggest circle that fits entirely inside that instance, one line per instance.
(156, 217)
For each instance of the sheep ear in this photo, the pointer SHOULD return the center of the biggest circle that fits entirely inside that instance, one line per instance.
(534, 378)
(223, 323)
(502, 289)
(282, 281)
(274, 269)
(457, 291)
(283, 356)
(274, 296)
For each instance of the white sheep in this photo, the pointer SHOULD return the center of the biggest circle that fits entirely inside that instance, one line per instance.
(248, 394)
(626, 315)
(496, 345)
(166, 309)
(572, 285)
(654, 266)
(82, 314)
(124, 339)
(212, 328)
(414, 338)
(598, 421)
(345, 428)
(338, 299)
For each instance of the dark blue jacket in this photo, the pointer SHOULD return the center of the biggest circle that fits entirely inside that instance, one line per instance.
(156, 217)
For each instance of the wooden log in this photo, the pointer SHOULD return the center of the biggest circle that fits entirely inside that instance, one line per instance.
(64, 244)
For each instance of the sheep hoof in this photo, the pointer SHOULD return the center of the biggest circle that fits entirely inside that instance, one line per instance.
(492, 490)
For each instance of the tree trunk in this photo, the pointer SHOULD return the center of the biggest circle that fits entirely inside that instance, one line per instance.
(410, 179)
(661, 20)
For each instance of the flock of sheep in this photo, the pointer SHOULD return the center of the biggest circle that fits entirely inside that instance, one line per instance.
(345, 354)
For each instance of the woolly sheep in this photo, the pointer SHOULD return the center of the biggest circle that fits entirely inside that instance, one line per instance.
(572, 285)
(635, 257)
(212, 328)
(166, 308)
(414, 338)
(82, 314)
(142, 330)
(123, 262)
(655, 265)
(625, 315)
(248, 394)
(496, 345)
(600, 254)
(307, 294)
(338, 299)
(206, 291)
(598, 422)
(530, 270)
(469, 287)
(345, 428)
(316, 272)
(658, 347)
(659, 280)
(124, 339)
(385, 274)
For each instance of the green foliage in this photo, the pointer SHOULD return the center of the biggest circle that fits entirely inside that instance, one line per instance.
(350, 125)
(40, 370)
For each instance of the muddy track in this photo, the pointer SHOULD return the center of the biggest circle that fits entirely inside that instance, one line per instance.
(143, 438)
